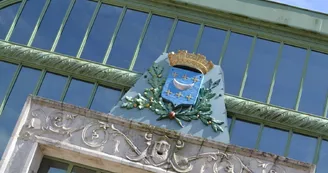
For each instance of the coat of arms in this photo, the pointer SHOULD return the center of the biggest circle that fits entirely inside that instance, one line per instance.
(179, 95)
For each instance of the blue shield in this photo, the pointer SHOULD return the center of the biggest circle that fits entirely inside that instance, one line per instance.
(182, 86)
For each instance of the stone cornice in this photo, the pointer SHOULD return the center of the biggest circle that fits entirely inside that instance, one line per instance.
(111, 76)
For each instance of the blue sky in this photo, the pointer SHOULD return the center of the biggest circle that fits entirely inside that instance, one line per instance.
(315, 5)
(257, 85)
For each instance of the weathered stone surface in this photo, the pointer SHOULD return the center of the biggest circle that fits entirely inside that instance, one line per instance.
(115, 144)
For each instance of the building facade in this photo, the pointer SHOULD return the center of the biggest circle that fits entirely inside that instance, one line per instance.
(90, 53)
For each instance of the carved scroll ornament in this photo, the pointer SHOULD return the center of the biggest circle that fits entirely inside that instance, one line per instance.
(159, 151)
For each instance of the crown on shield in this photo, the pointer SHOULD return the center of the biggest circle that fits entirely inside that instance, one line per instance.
(196, 61)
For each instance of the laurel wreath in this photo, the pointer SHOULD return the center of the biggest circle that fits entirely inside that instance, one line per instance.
(151, 99)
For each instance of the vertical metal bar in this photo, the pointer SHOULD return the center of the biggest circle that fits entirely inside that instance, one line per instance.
(232, 125)
(38, 23)
(224, 47)
(10, 88)
(300, 90)
(40, 81)
(325, 110)
(70, 168)
(268, 100)
(198, 38)
(13, 25)
(68, 83)
(87, 32)
(169, 39)
(259, 136)
(112, 40)
(290, 135)
(249, 59)
(317, 151)
(62, 25)
(143, 33)
(92, 96)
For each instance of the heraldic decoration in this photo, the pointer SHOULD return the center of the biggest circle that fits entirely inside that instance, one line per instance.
(180, 95)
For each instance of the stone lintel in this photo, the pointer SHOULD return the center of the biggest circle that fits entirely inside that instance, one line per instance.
(108, 142)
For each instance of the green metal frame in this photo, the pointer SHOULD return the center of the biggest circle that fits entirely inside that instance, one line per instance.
(102, 74)
(239, 107)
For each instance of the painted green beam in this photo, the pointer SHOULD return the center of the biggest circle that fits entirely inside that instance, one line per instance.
(6, 3)
(238, 107)
(64, 65)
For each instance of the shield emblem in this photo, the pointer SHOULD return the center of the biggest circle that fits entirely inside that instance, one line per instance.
(182, 86)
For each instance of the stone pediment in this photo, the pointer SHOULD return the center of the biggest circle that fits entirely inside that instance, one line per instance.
(112, 143)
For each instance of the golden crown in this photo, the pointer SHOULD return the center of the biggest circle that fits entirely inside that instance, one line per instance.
(196, 61)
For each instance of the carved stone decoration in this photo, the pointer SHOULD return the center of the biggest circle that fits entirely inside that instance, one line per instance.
(270, 167)
(230, 164)
(57, 126)
(56, 122)
(59, 122)
(95, 134)
(158, 151)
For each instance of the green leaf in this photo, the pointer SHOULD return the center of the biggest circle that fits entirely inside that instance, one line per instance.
(204, 121)
(185, 110)
(127, 105)
(160, 112)
(184, 118)
(210, 95)
(162, 117)
(220, 128)
(204, 108)
(193, 112)
(128, 98)
(151, 70)
(205, 113)
(193, 117)
(218, 122)
(214, 127)
(178, 121)
(201, 93)
(169, 107)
